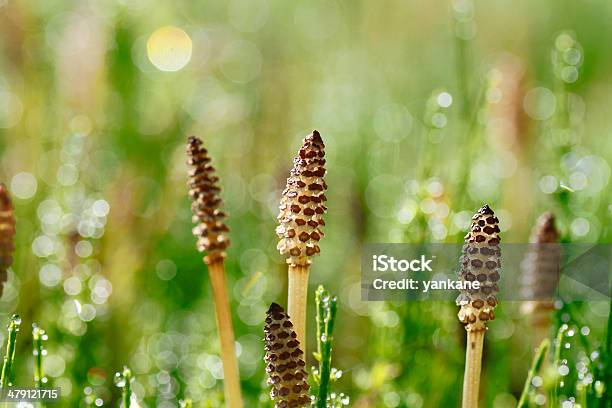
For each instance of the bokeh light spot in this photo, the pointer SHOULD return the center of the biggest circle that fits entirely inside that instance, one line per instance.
(24, 185)
(540, 103)
(169, 48)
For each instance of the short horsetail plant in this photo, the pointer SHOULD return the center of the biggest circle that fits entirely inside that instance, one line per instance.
(327, 306)
(480, 261)
(124, 380)
(300, 220)
(541, 276)
(9, 357)
(212, 239)
(39, 336)
(7, 233)
(285, 362)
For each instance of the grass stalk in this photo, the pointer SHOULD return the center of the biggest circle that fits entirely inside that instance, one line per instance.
(124, 380)
(536, 364)
(607, 397)
(326, 316)
(38, 338)
(231, 376)
(297, 300)
(9, 357)
(554, 393)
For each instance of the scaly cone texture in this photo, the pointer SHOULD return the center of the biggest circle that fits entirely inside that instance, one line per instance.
(7, 232)
(480, 261)
(541, 270)
(204, 192)
(284, 358)
(303, 203)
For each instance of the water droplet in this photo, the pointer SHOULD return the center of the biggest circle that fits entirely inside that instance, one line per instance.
(537, 381)
(119, 380)
(16, 319)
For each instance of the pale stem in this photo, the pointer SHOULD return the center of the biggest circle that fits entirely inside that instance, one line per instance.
(473, 364)
(233, 396)
(298, 299)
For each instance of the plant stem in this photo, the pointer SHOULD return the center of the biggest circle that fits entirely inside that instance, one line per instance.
(38, 336)
(231, 376)
(326, 317)
(536, 364)
(298, 297)
(126, 392)
(473, 364)
(555, 391)
(9, 357)
(607, 397)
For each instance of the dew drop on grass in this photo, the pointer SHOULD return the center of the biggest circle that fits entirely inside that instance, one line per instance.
(563, 370)
(540, 399)
(15, 321)
(585, 330)
(537, 381)
(119, 380)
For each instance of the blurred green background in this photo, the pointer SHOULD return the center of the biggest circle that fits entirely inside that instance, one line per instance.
(427, 109)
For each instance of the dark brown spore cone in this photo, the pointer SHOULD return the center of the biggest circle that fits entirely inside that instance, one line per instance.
(541, 267)
(7, 233)
(204, 192)
(285, 364)
(303, 203)
(480, 261)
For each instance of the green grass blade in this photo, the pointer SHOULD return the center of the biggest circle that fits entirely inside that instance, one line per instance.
(124, 380)
(326, 317)
(9, 357)
(536, 364)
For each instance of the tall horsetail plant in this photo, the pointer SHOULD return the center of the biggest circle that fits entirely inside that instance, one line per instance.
(7, 234)
(285, 362)
(9, 357)
(541, 276)
(124, 380)
(480, 261)
(327, 307)
(39, 336)
(211, 232)
(300, 220)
